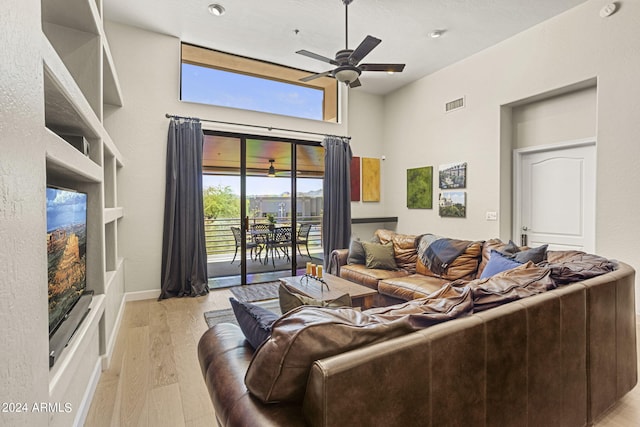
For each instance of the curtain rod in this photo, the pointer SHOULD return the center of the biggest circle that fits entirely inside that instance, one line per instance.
(269, 128)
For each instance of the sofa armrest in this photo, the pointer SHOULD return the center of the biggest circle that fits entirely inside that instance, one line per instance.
(337, 259)
(224, 357)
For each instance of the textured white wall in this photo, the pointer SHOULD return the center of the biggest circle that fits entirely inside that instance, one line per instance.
(570, 48)
(24, 364)
(561, 118)
(366, 116)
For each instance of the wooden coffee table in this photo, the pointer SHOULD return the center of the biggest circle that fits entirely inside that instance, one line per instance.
(361, 296)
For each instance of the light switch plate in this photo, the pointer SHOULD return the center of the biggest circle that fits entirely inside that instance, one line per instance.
(491, 216)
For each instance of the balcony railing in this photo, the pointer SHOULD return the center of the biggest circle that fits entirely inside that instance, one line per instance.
(221, 243)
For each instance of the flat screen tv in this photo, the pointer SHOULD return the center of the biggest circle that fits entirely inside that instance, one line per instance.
(66, 251)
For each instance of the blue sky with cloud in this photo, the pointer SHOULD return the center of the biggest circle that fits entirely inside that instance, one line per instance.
(65, 208)
(216, 87)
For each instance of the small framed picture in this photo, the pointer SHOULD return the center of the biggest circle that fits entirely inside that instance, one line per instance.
(453, 204)
(453, 175)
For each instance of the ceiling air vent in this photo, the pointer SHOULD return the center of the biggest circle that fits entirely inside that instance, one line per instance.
(456, 104)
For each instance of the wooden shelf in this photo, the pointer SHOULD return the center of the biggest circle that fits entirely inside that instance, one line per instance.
(81, 15)
(111, 148)
(374, 220)
(113, 214)
(111, 86)
(64, 161)
(62, 372)
(66, 108)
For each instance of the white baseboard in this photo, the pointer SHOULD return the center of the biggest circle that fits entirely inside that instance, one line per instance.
(142, 295)
(85, 404)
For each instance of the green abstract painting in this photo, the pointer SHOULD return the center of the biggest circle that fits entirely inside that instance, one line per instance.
(420, 188)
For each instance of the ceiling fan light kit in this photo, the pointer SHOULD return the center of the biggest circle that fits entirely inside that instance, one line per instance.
(347, 61)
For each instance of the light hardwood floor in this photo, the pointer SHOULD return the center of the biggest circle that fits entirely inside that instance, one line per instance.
(155, 380)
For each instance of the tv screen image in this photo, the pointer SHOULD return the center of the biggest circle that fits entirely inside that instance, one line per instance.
(66, 251)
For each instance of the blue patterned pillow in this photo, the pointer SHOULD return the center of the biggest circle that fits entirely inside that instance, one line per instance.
(498, 263)
(254, 321)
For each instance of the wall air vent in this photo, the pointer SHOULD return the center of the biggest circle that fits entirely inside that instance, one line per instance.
(456, 104)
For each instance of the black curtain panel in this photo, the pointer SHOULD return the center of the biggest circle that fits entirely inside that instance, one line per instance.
(336, 216)
(184, 255)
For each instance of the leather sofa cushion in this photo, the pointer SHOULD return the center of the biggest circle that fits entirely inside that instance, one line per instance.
(405, 251)
(510, 285)
(279, 369)
(464, 266)
(574, 266)
(289, 299)
(446, 303)
(368, 276)
(410, 287)
(383, 235)
(404, 247)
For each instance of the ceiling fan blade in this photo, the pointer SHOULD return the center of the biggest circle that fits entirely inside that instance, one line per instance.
(316, 76)
(363, 49)
(391, 68)
(316, 56)
(355, 83)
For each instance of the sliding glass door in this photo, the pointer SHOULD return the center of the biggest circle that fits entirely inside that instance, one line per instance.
(251, 186)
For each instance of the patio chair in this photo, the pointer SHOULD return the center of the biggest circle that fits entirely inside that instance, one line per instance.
(302, 238)
(260, 235)
(237, 235)
(281, 241)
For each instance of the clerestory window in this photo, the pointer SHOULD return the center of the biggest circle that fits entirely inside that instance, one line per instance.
(217, 78)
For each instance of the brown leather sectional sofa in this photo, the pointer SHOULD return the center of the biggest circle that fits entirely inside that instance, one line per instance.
(561, 357)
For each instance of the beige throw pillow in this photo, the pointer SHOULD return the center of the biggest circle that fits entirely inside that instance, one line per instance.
(379, 256)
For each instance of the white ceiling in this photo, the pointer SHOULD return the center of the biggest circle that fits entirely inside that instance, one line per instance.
(266, 29)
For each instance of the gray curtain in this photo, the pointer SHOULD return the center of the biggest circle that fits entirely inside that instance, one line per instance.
(184, 256)
(336, 215)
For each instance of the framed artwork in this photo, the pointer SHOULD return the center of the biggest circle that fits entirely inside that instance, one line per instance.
(355, 179)
(453, 175)
(453, 204)
(370, 180)
(420, 188)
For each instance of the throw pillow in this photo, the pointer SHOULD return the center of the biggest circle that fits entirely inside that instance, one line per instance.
(356, 253)
(510, 248)
(254, 321)
(379, 256)
(534, 255)
(290, 300)
(498, 263)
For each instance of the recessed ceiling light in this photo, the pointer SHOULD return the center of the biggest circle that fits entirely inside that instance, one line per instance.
(216, 9)
(436, 33)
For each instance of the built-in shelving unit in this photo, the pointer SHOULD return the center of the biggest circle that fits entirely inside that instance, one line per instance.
(80, 79)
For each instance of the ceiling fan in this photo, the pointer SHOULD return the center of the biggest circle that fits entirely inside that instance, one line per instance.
(347, 69)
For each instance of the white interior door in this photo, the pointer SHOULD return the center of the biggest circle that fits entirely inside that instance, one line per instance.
(554, 198)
